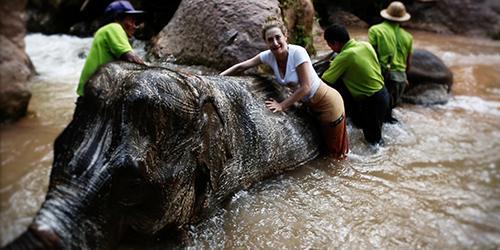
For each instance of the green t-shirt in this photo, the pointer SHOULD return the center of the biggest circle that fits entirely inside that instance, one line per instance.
(357, 65)
(110, 42)
(390, 40)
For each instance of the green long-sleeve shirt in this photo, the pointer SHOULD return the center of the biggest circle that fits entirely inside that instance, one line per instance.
(357, 65)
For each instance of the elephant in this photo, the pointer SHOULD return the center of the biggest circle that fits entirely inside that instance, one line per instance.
(430, 80)
(151, 150)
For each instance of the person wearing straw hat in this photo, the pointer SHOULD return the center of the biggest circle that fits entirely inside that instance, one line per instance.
(111, 41)
(394, 47)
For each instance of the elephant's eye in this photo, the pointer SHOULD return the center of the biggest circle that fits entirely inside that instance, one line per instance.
(128, 188)
(130, 192)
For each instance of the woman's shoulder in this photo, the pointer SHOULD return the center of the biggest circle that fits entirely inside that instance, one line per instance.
(296, 50)
(265, 54)
(294, 47)
(267, 51)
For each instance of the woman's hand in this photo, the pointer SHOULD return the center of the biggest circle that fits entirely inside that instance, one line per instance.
(298, 94)
(274, 106)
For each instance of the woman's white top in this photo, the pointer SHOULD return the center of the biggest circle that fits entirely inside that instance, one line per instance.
(296, 56)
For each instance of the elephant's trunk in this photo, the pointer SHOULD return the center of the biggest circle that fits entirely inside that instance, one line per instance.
(36, 237)
(58, 223)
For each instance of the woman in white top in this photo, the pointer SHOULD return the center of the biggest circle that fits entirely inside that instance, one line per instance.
(292, 67)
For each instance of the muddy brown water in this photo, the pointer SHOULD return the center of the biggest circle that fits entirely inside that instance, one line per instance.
(435, 184)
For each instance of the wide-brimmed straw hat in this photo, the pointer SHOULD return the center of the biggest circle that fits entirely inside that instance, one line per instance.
(396, 11)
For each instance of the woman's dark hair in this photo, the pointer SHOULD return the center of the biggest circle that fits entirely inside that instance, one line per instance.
(336, 33)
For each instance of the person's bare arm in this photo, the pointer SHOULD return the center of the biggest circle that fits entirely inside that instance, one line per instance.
(131, 57)
(305, 83)
(252, 62)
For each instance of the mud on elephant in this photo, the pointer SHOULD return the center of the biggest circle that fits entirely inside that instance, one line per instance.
(150, 149)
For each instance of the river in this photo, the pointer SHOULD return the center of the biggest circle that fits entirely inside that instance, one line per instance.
(435, 184)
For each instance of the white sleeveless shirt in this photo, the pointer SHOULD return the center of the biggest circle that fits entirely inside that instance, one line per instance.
(296, 56)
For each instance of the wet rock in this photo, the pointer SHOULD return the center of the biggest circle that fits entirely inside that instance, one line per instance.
(84, 17)
(51, 17)
(346, 18)
(217, 34)
(15, 65)
(430, 79)
(467, 17)
(347, 12)
(429, 94)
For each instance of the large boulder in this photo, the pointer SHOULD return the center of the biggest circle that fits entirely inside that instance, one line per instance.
(346, 12)
(468, 17)
(84, 17)
(430, 79)
(15, 65)
(215, 33)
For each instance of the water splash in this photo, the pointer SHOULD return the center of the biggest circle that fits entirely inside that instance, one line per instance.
(474, 104)
(458, 59)
(58, 58)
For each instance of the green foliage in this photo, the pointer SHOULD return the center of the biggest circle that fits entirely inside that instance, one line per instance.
(286, 4)
(300, 37)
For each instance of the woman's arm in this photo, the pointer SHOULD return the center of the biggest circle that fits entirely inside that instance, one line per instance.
(252, 62)
(304, 73)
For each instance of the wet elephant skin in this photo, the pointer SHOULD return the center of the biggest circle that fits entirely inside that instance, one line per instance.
(150, 148)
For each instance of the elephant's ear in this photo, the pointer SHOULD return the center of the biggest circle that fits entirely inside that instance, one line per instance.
(212, 154)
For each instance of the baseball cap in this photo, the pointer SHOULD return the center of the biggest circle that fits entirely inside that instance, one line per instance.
(122, 6)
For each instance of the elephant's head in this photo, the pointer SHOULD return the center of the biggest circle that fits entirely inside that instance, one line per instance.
(151, 148)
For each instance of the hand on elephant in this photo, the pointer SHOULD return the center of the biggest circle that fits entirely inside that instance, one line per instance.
(132, 57)
(274, 106)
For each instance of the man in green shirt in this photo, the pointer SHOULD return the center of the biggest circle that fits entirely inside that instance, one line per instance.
(357, 66)
(111, 41)
(394, 47)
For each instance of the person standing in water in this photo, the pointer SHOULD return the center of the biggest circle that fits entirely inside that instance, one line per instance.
(394, 47)
(292, 67)
(111, 41)
(357, 66)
